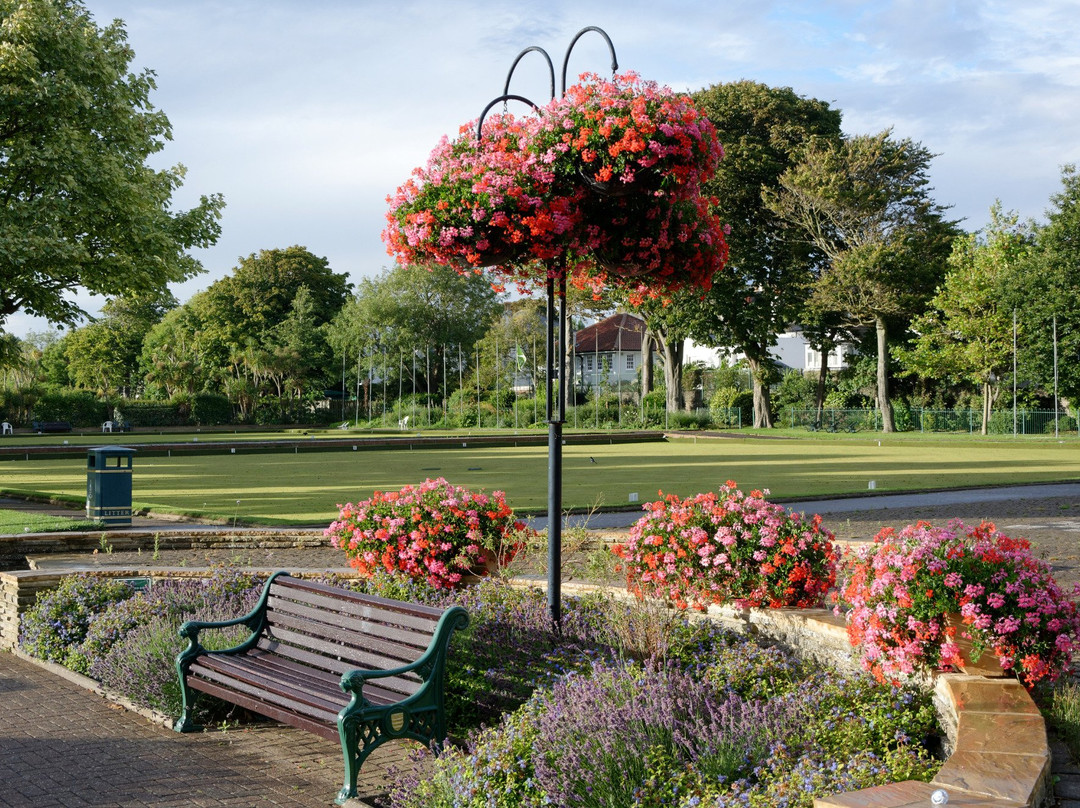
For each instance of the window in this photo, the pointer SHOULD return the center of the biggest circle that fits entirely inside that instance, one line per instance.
(589, 362)
(630, 362)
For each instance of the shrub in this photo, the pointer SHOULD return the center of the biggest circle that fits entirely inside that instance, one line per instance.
(437, 531)
(78, 407)
(712, 548)
(171, 599)
(902, 589)
(623, 735)
(58, 622)
(151, 413)
(211, 409)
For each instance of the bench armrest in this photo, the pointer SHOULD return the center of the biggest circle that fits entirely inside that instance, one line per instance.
(430, 664)
(254, 620)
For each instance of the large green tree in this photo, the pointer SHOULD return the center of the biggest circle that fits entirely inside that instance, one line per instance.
(865, 204)
(415, 314)
(79, 205)
(967, 332)
(1049, 292)
(765, 132)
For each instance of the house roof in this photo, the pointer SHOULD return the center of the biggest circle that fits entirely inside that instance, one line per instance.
(620, 332)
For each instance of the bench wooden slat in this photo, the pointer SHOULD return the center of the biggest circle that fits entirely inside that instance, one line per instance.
(344, 644)
(356, 658)
(273, 711)
(322, 692)
(360, 609)
(403, 685)
(394, 606)
(248, 681)
(373, 690)
(411, 637)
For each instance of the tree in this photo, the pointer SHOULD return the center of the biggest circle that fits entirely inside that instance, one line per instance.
(1049, 292)
(405, 310)
(967, 332)
(79, 206)
(765, 131)
(865, 204)
(104, 355)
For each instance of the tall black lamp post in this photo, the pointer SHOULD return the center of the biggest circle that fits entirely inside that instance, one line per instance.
(555, 366)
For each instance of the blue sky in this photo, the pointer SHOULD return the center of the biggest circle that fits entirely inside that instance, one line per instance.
(305, 115)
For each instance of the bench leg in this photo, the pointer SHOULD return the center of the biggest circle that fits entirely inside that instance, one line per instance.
(349, 732)
(185, 723)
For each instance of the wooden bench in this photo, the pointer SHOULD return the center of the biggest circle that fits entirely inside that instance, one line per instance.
(358, 669)
(51, 426)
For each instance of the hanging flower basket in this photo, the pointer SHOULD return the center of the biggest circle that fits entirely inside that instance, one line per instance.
(603, 186)
(479, 202)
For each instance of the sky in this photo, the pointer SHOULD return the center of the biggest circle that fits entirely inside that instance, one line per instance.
(306, 114)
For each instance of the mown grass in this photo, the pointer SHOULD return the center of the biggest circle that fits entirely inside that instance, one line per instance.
(13, 521)
(305, 487)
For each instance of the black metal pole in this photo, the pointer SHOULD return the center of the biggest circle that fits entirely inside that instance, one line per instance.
(556, 413)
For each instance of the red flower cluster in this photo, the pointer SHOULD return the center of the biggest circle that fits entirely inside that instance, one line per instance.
(436, 532)
(713, 548)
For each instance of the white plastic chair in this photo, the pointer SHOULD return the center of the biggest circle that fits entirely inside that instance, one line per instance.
(403, 424)
(107, 426)
(8, 430)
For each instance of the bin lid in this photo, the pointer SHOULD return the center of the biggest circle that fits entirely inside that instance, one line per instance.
(112, 451)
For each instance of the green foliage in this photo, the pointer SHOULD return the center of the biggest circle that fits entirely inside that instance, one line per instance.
(82, 206)
(79, 408)
(210, 409)
(140, 413)
(865, 204)
(725, 399)
(796, 390)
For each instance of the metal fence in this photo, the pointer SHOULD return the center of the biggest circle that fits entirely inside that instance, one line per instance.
(1002, 422)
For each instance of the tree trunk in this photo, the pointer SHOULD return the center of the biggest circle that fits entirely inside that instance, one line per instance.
(987, 404)
(762, 403)
(822, 383)
(672, 351)
(887, 422)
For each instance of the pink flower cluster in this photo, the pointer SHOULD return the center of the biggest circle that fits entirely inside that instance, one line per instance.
(436, 532)
(603, 185)
(901, 590)
(726, 546)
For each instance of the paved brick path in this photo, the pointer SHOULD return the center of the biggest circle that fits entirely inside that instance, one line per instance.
(62, 745)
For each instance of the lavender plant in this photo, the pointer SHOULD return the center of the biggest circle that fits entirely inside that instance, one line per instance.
(58, 622)
(141, 663)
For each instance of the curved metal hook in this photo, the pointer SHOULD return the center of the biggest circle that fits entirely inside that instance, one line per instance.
(582, 32)
(493, 102)
(520, 56)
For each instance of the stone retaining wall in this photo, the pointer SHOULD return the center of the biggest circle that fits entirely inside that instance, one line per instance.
(15, 549)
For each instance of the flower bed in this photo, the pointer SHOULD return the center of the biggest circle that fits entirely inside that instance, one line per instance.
(900, 591)
(717, 720)
(726, 546)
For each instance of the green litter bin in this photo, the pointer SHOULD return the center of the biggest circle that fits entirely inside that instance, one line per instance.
(108, 484)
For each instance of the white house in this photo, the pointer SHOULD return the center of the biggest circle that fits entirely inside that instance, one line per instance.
(609, 351)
